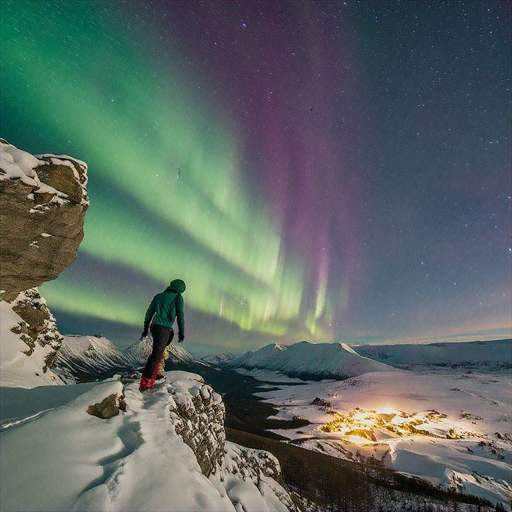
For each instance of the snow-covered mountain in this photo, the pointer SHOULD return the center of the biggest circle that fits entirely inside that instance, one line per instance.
(81, 356)
(489, 355)
(220, 359)
(89, 354)
(138, 353)
(309, 360)
(338, 360)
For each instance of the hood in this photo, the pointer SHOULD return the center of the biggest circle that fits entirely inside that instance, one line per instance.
(177, 286)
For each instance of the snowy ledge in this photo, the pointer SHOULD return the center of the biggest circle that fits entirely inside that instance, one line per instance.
(134, 461)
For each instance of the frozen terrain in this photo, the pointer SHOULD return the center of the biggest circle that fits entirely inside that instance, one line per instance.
(57, 457)
(453, 430)
(448, 421)
(447, 424)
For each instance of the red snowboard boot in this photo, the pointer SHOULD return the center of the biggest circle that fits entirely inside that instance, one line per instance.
(146, 384)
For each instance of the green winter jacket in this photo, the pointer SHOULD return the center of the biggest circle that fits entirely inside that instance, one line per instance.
(165, 308)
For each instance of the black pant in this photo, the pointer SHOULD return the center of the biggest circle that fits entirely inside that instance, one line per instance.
(162, 336)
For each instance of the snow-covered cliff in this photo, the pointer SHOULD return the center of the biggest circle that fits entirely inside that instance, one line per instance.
(165, 451)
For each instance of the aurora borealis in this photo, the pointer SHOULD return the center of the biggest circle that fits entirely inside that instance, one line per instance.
(314, 170)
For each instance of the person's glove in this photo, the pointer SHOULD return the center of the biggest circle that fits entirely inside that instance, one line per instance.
(181, 338)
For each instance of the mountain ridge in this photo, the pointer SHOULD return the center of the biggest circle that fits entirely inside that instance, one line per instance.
(338, 360)
(308, 360)
(83, 357)
(491, 355)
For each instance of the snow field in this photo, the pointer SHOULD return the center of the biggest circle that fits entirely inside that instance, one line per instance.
(474, 409)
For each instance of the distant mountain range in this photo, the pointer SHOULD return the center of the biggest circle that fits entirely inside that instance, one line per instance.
(340, 361)
(305, 360)
(83, 357)
(87, 357)
(488, 355)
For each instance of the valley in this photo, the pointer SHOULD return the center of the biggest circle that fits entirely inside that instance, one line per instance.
(443, 429)
(436, 455)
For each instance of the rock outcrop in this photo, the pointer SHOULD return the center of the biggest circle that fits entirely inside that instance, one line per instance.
(44, 200)
(198, 419)
(198, 414)
(37, 327)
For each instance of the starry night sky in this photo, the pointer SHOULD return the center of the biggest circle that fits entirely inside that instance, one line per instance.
(313, 170)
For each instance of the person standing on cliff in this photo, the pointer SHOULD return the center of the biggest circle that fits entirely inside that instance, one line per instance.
(163, 310)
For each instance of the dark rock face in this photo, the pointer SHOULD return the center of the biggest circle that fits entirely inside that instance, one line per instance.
(44, 200)
(38, 326)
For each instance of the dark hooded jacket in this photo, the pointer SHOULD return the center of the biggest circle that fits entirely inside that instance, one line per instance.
(165, 308)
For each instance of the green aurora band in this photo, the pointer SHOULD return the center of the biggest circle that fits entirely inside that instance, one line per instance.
(167, 194)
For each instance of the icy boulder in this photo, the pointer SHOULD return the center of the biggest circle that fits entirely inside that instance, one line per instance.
(109, 407)
(44, 200)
